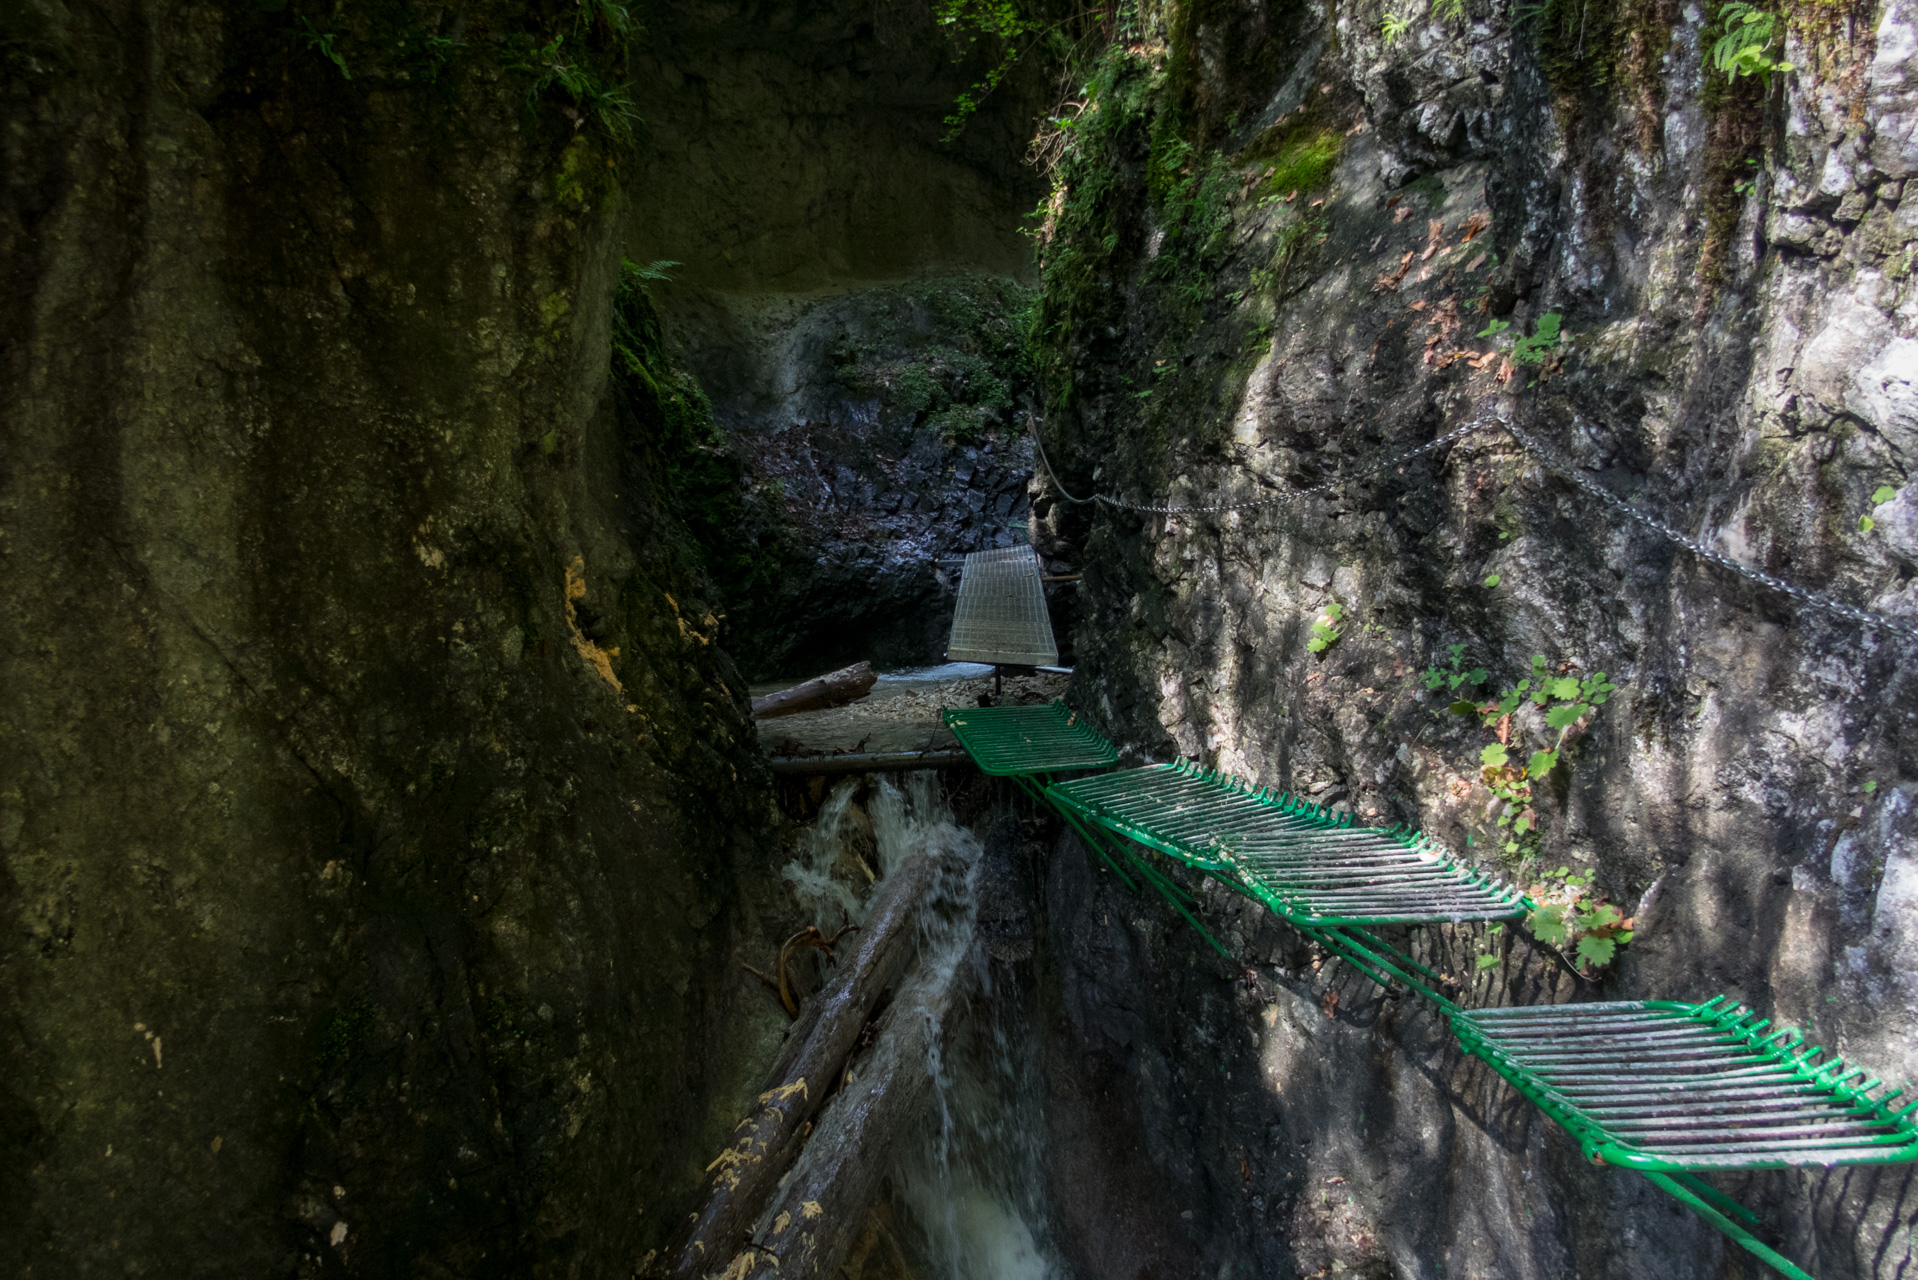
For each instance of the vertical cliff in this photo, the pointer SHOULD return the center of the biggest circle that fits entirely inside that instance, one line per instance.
(371, 788)
(1288, 242)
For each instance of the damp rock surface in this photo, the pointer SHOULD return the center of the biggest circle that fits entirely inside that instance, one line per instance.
(1696, 291)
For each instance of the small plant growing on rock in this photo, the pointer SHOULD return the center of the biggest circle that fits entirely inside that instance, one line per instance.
(1883, 493)
(1745, 48)
(1569, 917)
(1534, 349)
(1450, 678)
(1325, 628)
(1566, 704)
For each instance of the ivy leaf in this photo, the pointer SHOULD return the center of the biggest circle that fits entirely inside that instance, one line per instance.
(1464, 708)
(1565, 714)
(1548, 925)
(1487, 962)
(1866, 524)
(1565, 688)
(1541, 763)
(1491, 579)
(1596, 951)
(1494, 756)
(1476, 675)
(1883, 493)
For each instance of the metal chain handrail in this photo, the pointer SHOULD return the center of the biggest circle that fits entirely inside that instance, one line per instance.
(1553, 462)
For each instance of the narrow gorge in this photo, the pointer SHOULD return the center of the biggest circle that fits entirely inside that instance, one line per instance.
(428, 428)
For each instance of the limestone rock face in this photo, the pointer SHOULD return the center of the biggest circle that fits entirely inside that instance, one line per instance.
(370, 786)
(1731, 271)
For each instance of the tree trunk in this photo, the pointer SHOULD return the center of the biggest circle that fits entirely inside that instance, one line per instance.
(824, 1037)
(817, 1214)
(834, 689)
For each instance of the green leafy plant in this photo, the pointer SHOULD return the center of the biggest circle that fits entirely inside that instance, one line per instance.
(657, 269)
(1494, 328)
(1393, 28)
(1568, 916)
(593, 98)
(1883, 493)
(1325, 628)
(322, 42)
(1533, 350)
(1745, 48)
(1566, 701)
(1452, 677)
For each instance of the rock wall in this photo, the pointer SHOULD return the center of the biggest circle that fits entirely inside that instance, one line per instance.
(1282, 249)
(851, 289)
(371, 789)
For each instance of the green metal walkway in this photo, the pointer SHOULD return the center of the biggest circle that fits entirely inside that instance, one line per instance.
(1667, 1089)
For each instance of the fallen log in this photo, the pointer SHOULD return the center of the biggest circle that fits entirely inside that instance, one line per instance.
(829, 1026)
(818, 1212)
(834, 689)
(867, 762)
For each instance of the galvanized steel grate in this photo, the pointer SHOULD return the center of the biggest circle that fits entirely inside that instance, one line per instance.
(1306, 864)
(1001, 615)
(1018, 741)
(1665, 1087)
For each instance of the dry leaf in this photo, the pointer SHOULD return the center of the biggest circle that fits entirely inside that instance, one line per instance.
(1476, 263)
(1420, 306)
(1403, 212)
(1475, 224)
(1294, 196)
(780, 1223)
(1330, 1005)
(810, 1208)
(1316, 203)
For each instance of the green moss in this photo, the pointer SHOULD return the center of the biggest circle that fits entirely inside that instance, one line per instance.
(741, 544)
(1301, 157)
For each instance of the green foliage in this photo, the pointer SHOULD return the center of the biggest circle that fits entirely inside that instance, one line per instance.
(1567, 916)
(1745, 47)
(594, 98)
(1325, 628)
(1004, 22)
(1451, 678)
(739, 540)
(657, 269)
(1393, 28)
(1533, 350)
(1882, 494)
(1565, 701)
(1578, 40)
(322, 42)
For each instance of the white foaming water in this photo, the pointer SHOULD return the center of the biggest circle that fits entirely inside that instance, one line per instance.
(823, 896)
(969, 1182)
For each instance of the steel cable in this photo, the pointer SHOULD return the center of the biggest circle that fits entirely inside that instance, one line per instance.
(1553, 462)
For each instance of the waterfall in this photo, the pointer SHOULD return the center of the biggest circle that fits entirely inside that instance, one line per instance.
(966, 1189)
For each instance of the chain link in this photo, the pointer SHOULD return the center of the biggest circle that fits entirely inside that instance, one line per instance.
(1552, 461)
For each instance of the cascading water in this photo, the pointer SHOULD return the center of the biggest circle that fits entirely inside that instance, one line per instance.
(965, 1189)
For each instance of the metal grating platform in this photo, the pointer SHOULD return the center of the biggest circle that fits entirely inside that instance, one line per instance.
(1297, 858)
(1664, 1087)
(1001, 615)
(1018, 741)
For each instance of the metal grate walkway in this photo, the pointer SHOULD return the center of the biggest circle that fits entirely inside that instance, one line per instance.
(1024, 741)
(1301, 861)
(1667, 1087)
(1001, 615)
(1668, 1090)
